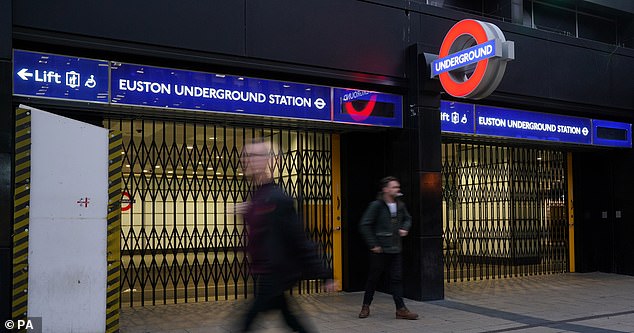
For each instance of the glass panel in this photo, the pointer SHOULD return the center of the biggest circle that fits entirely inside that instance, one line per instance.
(596, 28)
(554, 19)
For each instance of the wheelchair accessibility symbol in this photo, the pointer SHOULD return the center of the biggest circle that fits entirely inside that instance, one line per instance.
(91, 83)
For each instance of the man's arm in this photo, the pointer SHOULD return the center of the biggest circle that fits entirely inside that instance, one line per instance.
(304, 250)
(366, 226)
(406, 223)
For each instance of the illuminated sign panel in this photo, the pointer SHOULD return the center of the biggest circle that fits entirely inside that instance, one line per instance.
(170, 88)
(531, 125)
(53, 76)
(367, 107)
(60, 77)
(456, 117)
(465, 118)
(611, 133)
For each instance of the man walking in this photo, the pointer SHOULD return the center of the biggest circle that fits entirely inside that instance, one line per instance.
(279, 251)
(383, 224)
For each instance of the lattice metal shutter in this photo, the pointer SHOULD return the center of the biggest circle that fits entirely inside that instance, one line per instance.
(181, 239)
(504, 211)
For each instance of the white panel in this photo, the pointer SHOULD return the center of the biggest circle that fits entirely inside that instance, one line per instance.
(67, 244)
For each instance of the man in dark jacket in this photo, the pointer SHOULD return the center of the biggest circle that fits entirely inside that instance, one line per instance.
(383, 224)
(278, 249)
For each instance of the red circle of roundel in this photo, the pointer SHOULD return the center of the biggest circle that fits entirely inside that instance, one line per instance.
(364, 113)
(474, 29)
(129, 201)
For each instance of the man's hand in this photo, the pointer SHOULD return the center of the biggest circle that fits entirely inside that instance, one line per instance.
(376, 249)
(240, 207)
(403, 232)
(330, 286)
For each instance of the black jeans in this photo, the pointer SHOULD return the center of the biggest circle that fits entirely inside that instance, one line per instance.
(269, 295)
(378, 263)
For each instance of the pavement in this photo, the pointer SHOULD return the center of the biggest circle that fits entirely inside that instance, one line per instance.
(571, 302)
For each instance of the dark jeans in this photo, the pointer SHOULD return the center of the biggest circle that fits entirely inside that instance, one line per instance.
(378, 263)
(269, 295)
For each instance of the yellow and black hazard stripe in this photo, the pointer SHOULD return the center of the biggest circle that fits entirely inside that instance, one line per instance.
(113, 288)
(21, 202)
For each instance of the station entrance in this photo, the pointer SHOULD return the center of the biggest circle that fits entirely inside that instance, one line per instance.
(182, 239)
(505, 211)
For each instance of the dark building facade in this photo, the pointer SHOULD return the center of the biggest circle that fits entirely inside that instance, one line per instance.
(562, 66)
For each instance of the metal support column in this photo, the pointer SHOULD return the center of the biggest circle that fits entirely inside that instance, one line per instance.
(6, 158)
(424, 140)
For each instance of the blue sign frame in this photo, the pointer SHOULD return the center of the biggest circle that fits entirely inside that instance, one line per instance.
(457, 117)
(367, 107)
(44, 75)
(60, 77)
(180, 89)
(622, 139)
(531, 125)
(471, 119)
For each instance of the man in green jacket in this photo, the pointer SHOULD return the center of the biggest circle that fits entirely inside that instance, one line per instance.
(383, 224)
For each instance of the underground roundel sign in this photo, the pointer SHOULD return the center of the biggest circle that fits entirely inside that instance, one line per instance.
(472, 59)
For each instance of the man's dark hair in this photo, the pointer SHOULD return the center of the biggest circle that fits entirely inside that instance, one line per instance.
(385, 181)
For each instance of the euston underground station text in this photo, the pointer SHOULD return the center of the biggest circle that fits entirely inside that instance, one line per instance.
(219, 94)
(531, 125)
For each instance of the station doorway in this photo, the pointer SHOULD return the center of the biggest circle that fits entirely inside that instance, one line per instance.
(505, 211)
(181, 238)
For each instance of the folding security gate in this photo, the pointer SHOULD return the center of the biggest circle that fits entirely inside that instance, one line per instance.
(505, 211)
(182, 239)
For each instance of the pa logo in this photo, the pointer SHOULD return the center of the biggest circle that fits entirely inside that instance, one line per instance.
(472, 59)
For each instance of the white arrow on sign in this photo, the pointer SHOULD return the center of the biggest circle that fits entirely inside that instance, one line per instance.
(24, 75)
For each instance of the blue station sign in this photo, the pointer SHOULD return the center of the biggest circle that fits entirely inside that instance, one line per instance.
(471, 119)
(170, 88)
(44, 75)
(60, 77)
(611, 133)
(367, 107)
(456, 117)
(531, 125)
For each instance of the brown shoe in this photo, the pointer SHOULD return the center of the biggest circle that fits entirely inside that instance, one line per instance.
(403, 313)
(365, 311)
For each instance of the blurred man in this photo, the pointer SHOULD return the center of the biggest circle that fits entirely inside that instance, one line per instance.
(280, 253)
(383, 224)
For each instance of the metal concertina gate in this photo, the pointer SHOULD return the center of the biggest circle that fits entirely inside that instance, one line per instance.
(505, 211)
(181, 238)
